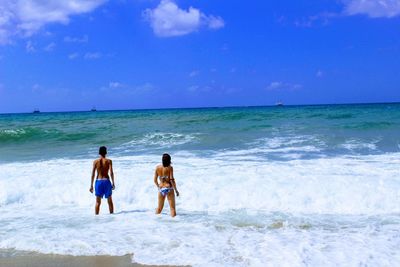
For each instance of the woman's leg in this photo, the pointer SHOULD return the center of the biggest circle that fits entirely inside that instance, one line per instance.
(171, 201)
(161, 200)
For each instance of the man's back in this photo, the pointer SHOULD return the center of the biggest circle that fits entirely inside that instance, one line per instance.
(102, 167)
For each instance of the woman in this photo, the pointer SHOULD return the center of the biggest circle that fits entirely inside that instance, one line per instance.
(103, 185)
(165, 182)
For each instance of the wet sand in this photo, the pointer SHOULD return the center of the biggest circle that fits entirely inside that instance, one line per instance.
(44, 260)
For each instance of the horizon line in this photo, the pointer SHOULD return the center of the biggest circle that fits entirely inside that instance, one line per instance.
(203, 107)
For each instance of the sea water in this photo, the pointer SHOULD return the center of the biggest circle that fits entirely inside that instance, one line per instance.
(264, 186)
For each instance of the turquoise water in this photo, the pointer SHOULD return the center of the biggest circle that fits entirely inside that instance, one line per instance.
(264, 186)
(308, 131)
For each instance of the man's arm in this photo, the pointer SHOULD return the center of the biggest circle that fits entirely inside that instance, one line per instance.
(112, 175)
(92, 179)
(156, 178)
(173, 182)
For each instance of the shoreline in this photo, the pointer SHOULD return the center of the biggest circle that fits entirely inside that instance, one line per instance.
(33, 259)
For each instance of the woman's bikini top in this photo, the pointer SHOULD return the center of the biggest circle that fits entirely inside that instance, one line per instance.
(163, 177)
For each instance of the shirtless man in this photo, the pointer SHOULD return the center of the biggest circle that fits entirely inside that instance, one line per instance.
(166, 186)
(103, 185)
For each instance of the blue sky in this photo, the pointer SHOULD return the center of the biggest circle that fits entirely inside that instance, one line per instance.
(128, 54)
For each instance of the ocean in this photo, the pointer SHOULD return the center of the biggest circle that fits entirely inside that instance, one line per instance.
(260, 186)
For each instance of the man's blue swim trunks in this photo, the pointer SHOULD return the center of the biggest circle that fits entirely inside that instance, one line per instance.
(103, 188)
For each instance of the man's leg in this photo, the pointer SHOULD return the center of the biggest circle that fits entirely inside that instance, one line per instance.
(97, 208)
(110, 205)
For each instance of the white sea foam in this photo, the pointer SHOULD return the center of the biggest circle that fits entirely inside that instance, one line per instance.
(12, 132)
(233, 211)
(165, 140)
(354, 144)
(287, 145)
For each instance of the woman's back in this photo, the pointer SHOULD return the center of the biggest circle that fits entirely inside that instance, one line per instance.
(164, 172)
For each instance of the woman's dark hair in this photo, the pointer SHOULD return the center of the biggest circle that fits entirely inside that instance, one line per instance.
(103, 151)
(166, 160)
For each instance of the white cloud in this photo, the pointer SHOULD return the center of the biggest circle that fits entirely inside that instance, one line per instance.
(274, 85)
(321, 19)
(373, 8)
(144, 88)
(127, 89)
(167, 19)
(214, 22)
(50, 47)
(26, 17)
(225, 47)
(35, 88)
(193, 88)
(194, 73)
(95, 55)
(83, 39)
(115, 85)
(281, 86)
(29, 47)
(73, 55)
(199, 89)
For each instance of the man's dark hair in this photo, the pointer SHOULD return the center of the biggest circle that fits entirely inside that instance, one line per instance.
(103, 151)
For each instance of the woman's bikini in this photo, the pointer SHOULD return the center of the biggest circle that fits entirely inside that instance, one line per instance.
(165, 190)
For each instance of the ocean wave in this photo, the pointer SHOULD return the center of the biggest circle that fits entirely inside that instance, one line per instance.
(162, 140)
(343, 185)
(24, 134)
(28, 134)
(76, 136)
(357, 145)
(369, 125)
(340, 116)
(288, 146)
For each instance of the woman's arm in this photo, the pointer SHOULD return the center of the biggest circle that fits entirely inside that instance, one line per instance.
(173, 182)
(156, 178)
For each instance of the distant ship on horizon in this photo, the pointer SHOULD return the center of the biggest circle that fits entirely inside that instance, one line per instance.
(279, 104)
(93, 109)
(36, 111)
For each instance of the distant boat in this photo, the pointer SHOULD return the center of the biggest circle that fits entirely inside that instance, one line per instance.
(93, 109)
(36, 111)
(279, 104)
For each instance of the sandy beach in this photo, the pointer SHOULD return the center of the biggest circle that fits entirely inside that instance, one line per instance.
(52, 260)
